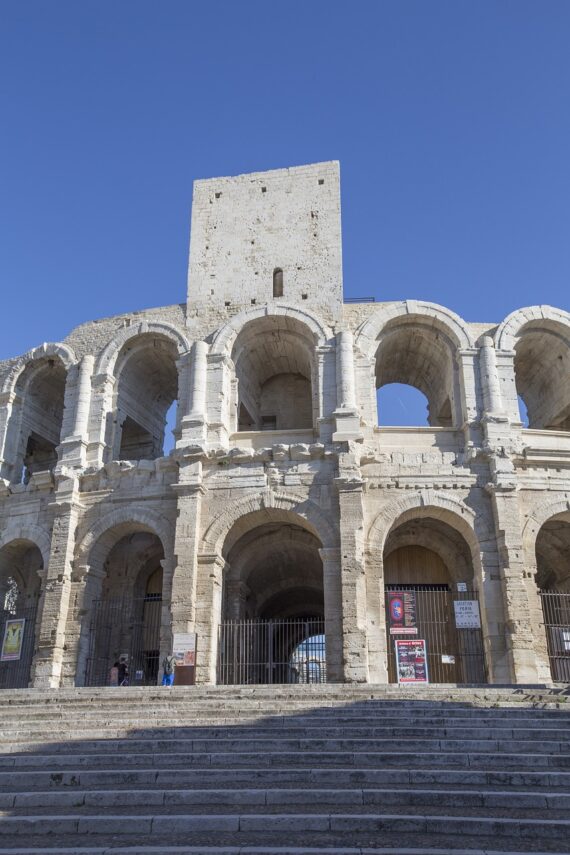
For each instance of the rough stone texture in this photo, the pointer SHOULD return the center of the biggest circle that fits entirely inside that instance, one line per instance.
(282, 489)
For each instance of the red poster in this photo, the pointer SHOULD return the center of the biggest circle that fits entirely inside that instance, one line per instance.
(402, 612)
(411, 661)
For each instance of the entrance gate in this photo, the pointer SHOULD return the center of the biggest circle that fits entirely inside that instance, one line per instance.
(15, 673)
(556, 611)
(455, 653)
(125, 628)
(272, 651)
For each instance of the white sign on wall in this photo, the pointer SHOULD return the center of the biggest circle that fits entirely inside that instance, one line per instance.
(467, 614)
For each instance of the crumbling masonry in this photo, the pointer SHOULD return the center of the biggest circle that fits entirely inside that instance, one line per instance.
(282, 498)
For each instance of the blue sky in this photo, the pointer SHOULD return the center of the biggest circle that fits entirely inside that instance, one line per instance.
(451, 121)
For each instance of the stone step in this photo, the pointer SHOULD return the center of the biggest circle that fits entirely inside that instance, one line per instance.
(18, 780)
(283, 744)
(492, 800)
(165, 827)
(262, 850)
(290, 758)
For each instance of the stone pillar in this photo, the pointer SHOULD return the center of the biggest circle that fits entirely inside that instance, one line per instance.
(520, 631)
(101, 433)
(194, 418)
(208, 615)
(333, 613)
(10, 411)
(324, 390)
(352, 576)
(490, 385)
(73, 448)
(220, 375)
(54, 601)
(346, 413)
(376, 618)
(186, 538)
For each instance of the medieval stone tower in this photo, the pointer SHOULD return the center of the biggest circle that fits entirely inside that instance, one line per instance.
(285, 516)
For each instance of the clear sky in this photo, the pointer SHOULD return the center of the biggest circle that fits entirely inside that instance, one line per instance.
(451, 121)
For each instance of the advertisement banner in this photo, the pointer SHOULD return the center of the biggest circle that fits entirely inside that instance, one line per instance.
(184, 648)
(402, 612)
(13, 640)
(411, 661)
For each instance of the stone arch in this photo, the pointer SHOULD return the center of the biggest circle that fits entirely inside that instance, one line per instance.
(536, 518)
(453, 325)
(415, 344)
(32, 533)
(225, 337)
(539, 339)
(44, 351)
(513, 325)
(438, 505)
(105, 363)
(100, 537)
(317, 521)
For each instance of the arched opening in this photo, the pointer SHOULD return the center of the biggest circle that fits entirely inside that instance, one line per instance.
(277, 282)
(274, 364)
(38, 417)
(20, 566)
(553, 582)
(147, 389)
(125, 611)
(430, 595)
(273, 603)
(542, 374)
(415, 354)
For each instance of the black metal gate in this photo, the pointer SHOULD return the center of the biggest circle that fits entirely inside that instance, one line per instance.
(556, 612)
(15, 672)
(455, 652)
(127, 630)
(272, 651)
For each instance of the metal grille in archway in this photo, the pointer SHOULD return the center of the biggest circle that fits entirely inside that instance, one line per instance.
(272, 651)
(125, 628)
(455, 652)
(556, 611)
(15, 673)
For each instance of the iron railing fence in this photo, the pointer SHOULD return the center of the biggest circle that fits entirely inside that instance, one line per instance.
(272, 651)
(15, 672)
(125, 628)
(556, 612)
(454, 654)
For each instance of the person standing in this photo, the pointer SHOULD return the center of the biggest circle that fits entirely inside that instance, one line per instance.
(168, 666)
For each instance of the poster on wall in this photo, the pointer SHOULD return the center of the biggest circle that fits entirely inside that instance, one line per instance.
(411, 661)
(184, 648)
(402, 612)
(13, 640)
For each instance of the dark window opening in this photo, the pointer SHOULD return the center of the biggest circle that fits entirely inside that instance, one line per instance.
(269, 423)
(277, 282)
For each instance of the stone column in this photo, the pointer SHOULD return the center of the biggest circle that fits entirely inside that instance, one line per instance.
(194, 372)
(491, 387)
(333, 613)
(186, 539)
(54, 601)
(376, 618)
(324, 390)
(10, 411)
(101, 433)
(208, 615)
(346, 413)
(73, 448)
(352, 576)
(520, 618)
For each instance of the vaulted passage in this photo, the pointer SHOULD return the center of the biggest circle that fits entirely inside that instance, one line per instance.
(553, 581)
(427, 570)
(38, 417)
(274, 364)
(20, 566)
(415, 354)
(273, 604)
(542, 372)
(147, 386)
(125, 615)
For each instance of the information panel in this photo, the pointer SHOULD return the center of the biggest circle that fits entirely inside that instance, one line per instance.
(13, 640)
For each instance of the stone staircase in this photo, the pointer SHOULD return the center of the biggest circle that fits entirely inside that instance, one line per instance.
(285, 769)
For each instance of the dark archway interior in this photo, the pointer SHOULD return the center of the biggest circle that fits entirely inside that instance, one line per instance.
(147, 387)
(20, 566)
(41, 388)
(553, 555)
(542, 372)
(273, 358)
(427, 551)
(275, 571)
